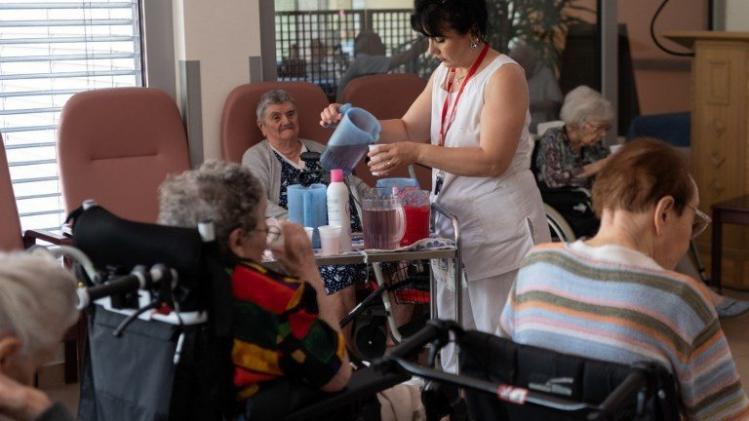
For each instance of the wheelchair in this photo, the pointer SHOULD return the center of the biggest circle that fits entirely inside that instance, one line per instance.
(158, 301)
(503, 380)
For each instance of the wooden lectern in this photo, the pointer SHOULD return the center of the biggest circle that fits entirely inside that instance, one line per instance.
(719, 155)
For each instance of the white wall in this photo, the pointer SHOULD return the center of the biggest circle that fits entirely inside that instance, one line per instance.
(221, 35)
(737, 15)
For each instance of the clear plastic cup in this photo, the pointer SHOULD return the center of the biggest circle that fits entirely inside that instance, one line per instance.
(330, 240)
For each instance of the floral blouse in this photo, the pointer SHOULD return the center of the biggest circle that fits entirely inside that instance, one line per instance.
(558, 164)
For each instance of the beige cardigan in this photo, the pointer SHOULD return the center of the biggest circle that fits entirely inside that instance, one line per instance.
(264, 165)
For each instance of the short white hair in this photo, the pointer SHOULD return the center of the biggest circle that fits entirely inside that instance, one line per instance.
(584, 104)
(37, 301)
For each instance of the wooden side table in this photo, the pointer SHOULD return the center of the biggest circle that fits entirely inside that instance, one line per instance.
(733, 211)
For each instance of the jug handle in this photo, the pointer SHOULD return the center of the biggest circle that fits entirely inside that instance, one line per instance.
(401, 223)
(343, 109)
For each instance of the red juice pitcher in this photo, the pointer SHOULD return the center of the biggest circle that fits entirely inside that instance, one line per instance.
(416, 207)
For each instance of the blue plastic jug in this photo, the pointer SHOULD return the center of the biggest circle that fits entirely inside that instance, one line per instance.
(350, 141)
(308, 207)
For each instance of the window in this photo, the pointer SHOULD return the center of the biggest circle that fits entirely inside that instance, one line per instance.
(49, 51)
(316, 44)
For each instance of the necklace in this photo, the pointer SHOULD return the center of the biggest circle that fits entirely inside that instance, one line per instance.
(449, 83)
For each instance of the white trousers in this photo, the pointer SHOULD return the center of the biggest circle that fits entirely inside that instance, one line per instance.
(483, 301)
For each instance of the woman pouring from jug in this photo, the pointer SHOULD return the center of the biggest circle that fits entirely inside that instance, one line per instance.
(470, 124)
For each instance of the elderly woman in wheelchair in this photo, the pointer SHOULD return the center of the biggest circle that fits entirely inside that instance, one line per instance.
(285, 325)
(616, 297)
(37, 306)
(567, 157)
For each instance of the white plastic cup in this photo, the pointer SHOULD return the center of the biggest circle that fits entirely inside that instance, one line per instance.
(330, 240)
(615, 148)
(375, 148)
(310, 232)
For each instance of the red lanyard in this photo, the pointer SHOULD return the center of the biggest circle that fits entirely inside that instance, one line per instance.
(450, 78)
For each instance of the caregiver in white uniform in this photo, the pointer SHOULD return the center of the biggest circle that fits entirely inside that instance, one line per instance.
(470, 124)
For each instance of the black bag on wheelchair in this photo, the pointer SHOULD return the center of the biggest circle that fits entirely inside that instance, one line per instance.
(572, 386)
(174, 362)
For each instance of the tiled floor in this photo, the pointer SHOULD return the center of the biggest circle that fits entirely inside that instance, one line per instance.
(736, 330)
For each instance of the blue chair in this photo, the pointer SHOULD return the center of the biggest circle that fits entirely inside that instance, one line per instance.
(672, 128)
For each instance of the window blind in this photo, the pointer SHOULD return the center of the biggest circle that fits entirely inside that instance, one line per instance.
(49, 51)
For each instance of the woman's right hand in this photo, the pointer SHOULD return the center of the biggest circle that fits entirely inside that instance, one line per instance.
(295, 252)
(331, 115)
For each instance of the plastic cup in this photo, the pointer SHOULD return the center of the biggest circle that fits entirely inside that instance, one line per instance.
(330, 240)
(310, 232)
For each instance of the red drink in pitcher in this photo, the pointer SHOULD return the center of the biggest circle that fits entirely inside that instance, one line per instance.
(416, 207)
(417, 224)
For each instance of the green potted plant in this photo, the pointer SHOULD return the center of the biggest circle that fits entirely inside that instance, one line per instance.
(540, 24)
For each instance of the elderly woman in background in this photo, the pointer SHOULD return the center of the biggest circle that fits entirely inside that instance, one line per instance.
(265, 350)
(572, 154)
(615, 297)
(277, 163)
(37, 306)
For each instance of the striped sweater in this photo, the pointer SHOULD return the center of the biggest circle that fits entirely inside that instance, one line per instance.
(616, 304)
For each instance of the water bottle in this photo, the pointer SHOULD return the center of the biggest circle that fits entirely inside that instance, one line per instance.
(338, 207)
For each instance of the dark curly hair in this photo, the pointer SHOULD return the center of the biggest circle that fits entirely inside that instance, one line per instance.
(432, 18)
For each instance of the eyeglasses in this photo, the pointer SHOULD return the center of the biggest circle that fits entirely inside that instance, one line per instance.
(700, 223)
(599, 127)
(272, 232)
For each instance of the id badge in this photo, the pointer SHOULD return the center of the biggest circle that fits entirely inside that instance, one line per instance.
(440, 180)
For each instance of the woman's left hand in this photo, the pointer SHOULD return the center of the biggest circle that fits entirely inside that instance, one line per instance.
(385, 158)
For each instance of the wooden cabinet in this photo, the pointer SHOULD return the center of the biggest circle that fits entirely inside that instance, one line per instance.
(719, 156)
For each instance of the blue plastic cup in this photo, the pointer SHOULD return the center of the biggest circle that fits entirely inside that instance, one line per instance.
(307, 206)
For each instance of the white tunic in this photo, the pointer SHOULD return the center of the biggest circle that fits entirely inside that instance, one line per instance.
(500, 218)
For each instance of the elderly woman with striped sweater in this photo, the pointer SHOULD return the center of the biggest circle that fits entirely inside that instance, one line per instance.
(615, 297)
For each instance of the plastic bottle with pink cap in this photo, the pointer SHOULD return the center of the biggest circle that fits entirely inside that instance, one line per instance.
(338, 207)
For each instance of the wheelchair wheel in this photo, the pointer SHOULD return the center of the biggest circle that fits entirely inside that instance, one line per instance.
(369, 336)
(560, 229)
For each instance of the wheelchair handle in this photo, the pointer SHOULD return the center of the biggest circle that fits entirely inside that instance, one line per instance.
(632, 384)
(139, 278)
(434, 329)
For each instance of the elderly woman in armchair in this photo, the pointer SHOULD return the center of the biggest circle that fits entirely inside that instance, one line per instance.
(277, 162)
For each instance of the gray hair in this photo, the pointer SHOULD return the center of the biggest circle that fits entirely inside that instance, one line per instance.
(584, 104)
(37, 301)
(276, 96)
(223, 192)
